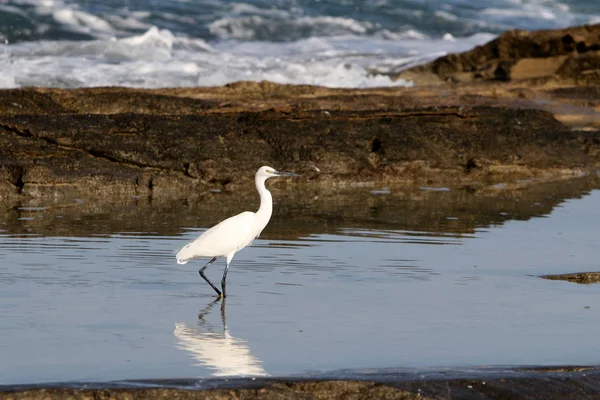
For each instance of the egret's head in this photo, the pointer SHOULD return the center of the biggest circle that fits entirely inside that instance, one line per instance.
(268, 172)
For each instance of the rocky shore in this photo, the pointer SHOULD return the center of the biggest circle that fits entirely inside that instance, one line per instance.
(459, 124)
(560, 383)
(516, 115)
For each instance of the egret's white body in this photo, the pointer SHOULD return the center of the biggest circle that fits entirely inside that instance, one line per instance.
(227, 237)
(233, 234)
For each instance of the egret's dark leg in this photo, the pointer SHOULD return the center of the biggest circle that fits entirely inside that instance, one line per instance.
(223, 281)
(201, 272)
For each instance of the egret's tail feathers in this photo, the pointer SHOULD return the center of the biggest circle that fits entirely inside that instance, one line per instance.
(184, 255)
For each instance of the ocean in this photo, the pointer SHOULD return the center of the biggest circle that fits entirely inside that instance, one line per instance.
(177, 43)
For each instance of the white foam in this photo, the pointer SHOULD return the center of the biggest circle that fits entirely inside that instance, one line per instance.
(12, 10)
(81, 21)
(407, 34)
(130, 21)
(7, 77)
(446, 15)
(154, 37)
(328, 74)
(530, 14)
(159, 58)
(71, 16)
(346, 25)
(255, 27)
(511, 14)
(250, 9)
(448, 36)
(238, 28)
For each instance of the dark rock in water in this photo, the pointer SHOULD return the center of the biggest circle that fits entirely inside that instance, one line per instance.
(536, 383)
(283, 390)
(577, 277)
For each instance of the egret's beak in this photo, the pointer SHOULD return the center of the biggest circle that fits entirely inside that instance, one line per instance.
(279, 173)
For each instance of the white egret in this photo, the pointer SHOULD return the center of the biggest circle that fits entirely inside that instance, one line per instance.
(233, 234)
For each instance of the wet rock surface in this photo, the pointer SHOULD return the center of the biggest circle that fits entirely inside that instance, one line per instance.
(525, 383)
(579, 277)
(280, 390)
(167, 155)
(177, 155)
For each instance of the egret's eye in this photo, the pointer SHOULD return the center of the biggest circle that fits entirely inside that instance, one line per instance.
(271, 171)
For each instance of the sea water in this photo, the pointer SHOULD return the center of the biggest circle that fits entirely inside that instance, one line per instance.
(101, 297)
(68, 43)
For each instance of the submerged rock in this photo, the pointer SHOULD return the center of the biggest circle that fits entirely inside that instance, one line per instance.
(577, 277)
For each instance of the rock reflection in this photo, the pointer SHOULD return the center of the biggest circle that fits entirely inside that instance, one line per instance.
(216, 349)
(307, 211)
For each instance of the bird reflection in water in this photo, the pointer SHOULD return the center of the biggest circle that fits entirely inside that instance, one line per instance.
(217, 350)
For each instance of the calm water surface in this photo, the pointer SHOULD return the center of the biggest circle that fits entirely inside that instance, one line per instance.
(117, 306)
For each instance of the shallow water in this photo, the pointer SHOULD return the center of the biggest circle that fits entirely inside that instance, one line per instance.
(106, 306)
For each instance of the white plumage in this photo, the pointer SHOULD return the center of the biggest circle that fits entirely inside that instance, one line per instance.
(233, 234)
(212, 244)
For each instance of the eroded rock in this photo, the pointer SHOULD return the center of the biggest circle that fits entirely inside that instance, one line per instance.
(571, 54)
(179, 155)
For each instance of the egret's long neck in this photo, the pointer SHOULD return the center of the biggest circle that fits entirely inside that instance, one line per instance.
(266, 201)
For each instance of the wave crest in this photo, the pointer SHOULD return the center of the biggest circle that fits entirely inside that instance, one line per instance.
(258, 27)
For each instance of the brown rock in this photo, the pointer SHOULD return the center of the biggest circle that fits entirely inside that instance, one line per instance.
(179, 155)
(349, 390)
(569, 54)
(552, 383)
(577, 277)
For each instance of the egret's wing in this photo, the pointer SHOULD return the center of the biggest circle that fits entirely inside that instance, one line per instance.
(226, 237)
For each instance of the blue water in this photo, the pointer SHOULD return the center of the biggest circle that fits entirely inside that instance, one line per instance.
(117, 306)
(353, 43)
